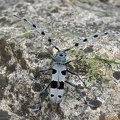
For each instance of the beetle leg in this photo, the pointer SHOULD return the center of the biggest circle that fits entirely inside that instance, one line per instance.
(70, 83)
(44, 70)
(76, 75)
(44, 89)
(93, 104)
(52, 57)
(41, 93)
(36, 28)
(69, 62)
(90, 38)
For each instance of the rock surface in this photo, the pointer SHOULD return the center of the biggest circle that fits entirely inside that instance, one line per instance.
(23, 53)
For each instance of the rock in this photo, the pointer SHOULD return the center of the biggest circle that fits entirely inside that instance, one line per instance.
(23, 52)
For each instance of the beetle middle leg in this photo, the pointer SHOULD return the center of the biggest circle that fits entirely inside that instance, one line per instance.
(44, 89)
(77, 76)
(70, 83)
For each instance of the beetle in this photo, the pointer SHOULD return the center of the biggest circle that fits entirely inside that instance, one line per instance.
(59, 69)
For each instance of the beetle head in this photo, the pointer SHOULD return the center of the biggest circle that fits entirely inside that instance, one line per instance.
(60, 57)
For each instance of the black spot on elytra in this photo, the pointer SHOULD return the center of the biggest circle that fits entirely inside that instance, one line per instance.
(52, 95)
(54, 71)
(59, 96)
(116, 75)
(63, 72)
(61, 85)
(54, 84)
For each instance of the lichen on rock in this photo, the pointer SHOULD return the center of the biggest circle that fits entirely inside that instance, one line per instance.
(23, 51)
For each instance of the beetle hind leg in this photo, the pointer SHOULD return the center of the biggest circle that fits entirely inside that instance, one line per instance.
(92, 103)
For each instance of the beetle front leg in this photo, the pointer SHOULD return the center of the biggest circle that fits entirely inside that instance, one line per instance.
(44, 70)
(53, 58)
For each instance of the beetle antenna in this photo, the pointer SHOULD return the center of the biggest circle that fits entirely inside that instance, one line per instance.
(91, 37)
(35, 27)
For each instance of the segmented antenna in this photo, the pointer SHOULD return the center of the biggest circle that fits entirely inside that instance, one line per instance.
(91, 37)
(37, 28)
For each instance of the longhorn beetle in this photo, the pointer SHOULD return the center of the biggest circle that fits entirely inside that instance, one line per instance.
(59, 69)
